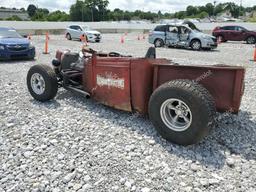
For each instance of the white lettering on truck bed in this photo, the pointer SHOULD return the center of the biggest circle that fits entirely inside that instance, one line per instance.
(110, 80)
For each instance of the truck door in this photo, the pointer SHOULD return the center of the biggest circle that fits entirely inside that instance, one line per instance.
(111, 82)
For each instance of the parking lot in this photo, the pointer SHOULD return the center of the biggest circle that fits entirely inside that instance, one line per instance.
(76, 144)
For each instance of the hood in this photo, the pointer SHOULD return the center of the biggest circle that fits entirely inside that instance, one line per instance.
(191, 25)
(14, 41)
(93, 32)
(210, 36)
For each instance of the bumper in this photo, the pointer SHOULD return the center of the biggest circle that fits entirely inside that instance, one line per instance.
(210, 44)
(26, 54)
(93, 38)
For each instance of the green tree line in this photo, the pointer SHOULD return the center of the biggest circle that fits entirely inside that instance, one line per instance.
(97, 10)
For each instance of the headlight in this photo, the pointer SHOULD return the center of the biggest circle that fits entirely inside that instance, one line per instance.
(2, 47)
(207, 37)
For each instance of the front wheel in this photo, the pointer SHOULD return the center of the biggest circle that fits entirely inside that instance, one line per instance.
(159, 43)
(182, 111)
(196, 45)
(42, 82)
(251, 40)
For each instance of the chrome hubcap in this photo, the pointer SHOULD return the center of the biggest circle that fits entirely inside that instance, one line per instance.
(37, 83)
(176, 115)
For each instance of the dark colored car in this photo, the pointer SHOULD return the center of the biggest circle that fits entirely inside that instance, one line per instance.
(14, 46)
(234, 33)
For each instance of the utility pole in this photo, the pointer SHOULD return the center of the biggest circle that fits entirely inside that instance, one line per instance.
(83, 13)
(214, 3)
(240, 9)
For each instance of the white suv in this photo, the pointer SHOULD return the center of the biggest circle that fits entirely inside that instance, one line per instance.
(75, 32)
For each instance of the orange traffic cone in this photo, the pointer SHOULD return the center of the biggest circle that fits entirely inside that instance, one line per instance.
(254, 55)
(84, 40)
(122, 39)
(219, 40)
(46, 43)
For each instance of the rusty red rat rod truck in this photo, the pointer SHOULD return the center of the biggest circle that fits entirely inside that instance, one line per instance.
(181, 100)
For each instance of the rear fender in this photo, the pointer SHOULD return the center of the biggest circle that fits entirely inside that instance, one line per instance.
(225, 83)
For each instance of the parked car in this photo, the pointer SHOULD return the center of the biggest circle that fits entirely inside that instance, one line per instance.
(76, 31)
(181, 35)
(234, 33)
(181, 107)
(14, 46)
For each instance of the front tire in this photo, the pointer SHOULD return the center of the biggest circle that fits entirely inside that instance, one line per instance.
(182, 111)
(159, 43)
(42, 82)
(251, 40)
(196, 45)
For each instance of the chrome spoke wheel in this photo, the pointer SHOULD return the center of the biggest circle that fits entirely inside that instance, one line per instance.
(37, 83)
(176, 115)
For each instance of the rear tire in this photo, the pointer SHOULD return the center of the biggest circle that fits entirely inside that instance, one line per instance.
(159, 43)
(182, 111)
(251, 40)
(42, 82)
(196, 45)
(69, 37)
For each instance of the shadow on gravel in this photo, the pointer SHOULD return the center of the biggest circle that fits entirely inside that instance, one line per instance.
(236, 134)
(48, 104)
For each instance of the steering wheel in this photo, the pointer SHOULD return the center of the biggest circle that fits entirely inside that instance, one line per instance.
(88, 50)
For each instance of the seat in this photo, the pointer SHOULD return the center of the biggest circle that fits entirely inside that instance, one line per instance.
(78, 65)
(69, 58)
(151, 53)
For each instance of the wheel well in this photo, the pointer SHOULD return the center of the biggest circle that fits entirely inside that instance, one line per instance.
(68, 34)
(250, 36)
(220, 35)
(195, 39)
(158, 39)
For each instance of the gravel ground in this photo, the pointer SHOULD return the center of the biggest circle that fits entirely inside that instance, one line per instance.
(74, 144)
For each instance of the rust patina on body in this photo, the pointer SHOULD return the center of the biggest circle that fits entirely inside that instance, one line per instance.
(181, 100)
(127, 83)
